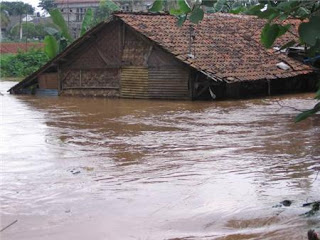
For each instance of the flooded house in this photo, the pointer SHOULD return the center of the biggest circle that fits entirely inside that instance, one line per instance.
(141, 55)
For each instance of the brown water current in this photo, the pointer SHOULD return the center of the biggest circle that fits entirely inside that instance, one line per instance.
(86, 168)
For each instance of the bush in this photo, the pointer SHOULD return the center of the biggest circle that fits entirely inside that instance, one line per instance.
(23, 63)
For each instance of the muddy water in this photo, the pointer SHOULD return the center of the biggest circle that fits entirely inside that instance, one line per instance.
(85, 168)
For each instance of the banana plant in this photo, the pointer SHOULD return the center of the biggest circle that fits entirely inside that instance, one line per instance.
(88, 21)
(57, 40)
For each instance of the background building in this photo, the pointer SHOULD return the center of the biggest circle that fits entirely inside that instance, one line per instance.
(73, 11)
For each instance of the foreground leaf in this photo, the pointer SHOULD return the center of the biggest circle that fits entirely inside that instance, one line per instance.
(181, 20)
(288, 45)
(196, 15)
(304, 115)
(184, 6)
(208, 3)
(310, 31)
(271, 32)
(156, 6)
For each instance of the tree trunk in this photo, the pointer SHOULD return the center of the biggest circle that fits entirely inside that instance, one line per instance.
(20, 24)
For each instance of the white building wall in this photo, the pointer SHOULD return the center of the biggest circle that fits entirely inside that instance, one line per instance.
(73, 12)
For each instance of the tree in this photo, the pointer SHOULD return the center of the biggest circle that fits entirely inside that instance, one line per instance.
(106, 7)
(57, 40)
(5, 20)
(15, 8)
(47, 5)
(31, 30)
(18, 9)
(276, 13)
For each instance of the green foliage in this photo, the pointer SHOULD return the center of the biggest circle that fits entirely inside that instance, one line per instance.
(197, 15)
(195, 11)
(106, 7)
(304, 115)
(220, 5)
(57, 40)
(184, 6)
(157, 6)
(51, 46)
(4, 18)
(271, 32)
(23, 63)
(31, 30)
(87, 22)
(310, 31)
(47, 5)
(17, 8)
(58, 19)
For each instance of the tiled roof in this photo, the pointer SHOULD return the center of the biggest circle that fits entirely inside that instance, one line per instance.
(6, 48)
(225, 46)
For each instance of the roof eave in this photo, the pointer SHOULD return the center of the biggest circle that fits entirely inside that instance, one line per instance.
(53, 62)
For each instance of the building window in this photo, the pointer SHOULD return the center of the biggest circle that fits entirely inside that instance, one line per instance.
(79, 14)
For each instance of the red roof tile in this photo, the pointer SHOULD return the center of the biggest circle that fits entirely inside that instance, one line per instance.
(225, 45)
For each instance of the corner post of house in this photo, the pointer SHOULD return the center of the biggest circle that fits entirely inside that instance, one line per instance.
(269, 87)
(59, 79)
(193, 76)
(80, 78)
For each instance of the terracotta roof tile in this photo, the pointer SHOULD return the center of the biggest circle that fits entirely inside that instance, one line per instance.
(225, 45)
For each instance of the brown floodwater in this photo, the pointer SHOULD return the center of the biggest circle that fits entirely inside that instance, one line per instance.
(94, 168)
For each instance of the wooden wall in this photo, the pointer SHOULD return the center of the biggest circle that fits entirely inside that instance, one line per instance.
(48, 81)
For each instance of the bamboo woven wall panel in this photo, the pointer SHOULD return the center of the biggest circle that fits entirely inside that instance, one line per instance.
(135, 50)
(134, 82)
(95, 78)
(70, 78)
(100, 78)
(98, 53)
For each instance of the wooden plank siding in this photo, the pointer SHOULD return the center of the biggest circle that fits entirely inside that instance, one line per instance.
(169, 83)
(48, 81)
(164, 83)
(134, 82)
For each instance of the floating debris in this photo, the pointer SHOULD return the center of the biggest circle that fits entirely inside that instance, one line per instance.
(286, 203)
(75, 171)
(9, 225)
(312, 235)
